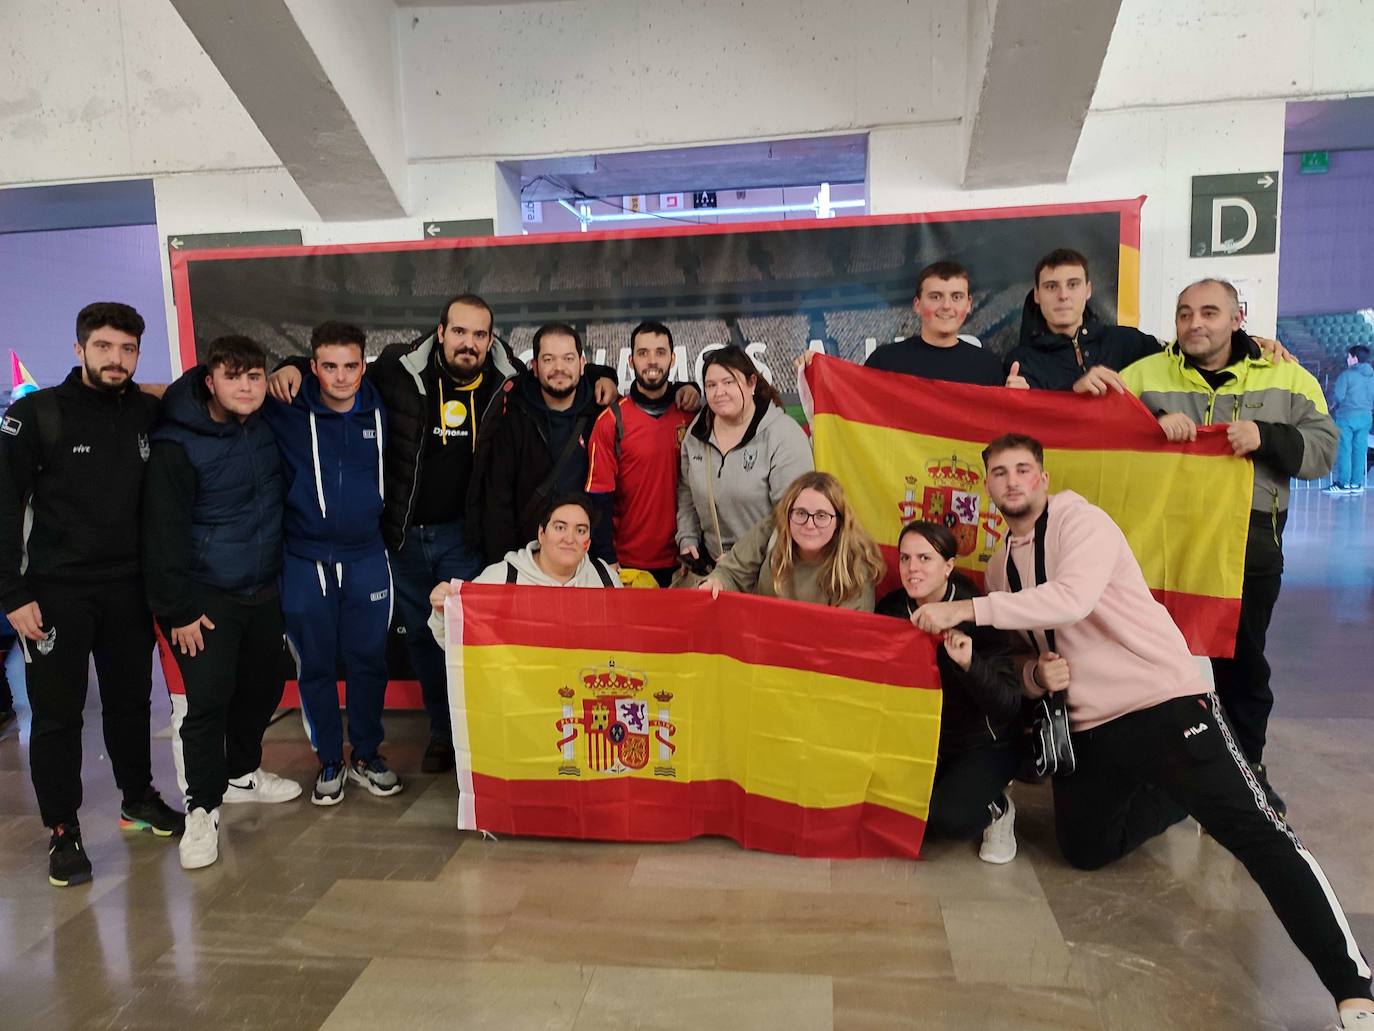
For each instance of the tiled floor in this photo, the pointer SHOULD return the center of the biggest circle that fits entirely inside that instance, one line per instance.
(379, 914)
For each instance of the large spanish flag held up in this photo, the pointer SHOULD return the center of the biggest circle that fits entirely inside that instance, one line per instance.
(908, 448)
(667, 715)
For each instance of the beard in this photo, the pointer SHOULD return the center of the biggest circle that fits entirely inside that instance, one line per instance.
(1016, 509)
(97, 379)
(559, 392)
(643, 381)
(467, 370)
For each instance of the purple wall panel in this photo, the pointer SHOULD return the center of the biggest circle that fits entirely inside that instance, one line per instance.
(47, 277)
(1326, 249)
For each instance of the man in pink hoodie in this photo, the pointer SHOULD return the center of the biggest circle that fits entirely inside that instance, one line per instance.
(1150, 740)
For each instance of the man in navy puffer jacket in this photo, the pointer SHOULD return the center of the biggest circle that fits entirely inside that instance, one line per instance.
(336, 581)
(212, 547)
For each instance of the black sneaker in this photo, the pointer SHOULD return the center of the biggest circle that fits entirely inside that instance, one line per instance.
(67, 862)
(438, 757)
(1274, 799)
(152, 814)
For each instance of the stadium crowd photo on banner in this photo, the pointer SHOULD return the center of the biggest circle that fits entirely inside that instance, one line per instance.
(959, 455)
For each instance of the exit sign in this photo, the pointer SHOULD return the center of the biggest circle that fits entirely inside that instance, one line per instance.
(1314, 162)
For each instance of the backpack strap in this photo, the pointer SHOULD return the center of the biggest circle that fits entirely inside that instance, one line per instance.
(602, 572)
(47, 416)
(512, 574)
(1014, 575)
(619, 426)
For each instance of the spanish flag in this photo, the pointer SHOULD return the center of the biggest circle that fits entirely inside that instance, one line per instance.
(667, 715)
(908, 448)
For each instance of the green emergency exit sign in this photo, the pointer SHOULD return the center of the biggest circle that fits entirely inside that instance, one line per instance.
(1314, 162)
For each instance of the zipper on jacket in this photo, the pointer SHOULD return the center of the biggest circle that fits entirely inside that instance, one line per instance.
(1274, 516)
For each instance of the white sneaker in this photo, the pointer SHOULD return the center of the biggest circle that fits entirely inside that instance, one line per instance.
(199, 846)
(261, 786)
(999, 840)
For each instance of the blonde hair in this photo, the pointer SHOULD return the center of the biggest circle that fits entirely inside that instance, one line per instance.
(848, 562)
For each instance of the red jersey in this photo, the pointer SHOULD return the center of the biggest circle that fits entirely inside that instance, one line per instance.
(642, 474)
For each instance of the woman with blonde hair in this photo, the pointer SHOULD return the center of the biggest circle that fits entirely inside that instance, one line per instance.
(811, 548)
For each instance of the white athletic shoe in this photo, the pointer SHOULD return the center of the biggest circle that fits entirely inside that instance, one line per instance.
(261, 786)
(999, 839)
(1357, 1017)
(199, 846)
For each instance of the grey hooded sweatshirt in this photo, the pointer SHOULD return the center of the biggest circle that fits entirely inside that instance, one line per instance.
(720, 497)
(528, 574)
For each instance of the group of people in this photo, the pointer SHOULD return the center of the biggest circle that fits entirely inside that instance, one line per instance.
(248, 517)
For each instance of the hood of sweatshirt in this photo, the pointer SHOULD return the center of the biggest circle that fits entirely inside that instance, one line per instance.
(186, 403)
(529, 572)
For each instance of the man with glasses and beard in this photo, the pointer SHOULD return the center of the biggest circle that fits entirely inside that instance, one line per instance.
(70, 581)
(632, 460)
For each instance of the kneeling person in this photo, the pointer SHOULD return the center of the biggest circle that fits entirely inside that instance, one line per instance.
(811, 548)
(212, 546)
(558, 557)
(981, 700)
(1151, 743)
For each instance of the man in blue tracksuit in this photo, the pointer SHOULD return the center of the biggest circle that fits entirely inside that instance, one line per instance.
(336, 581)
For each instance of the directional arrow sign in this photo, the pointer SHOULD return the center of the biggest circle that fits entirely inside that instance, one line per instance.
(1234, 214)
(459, 228)
(257, 238)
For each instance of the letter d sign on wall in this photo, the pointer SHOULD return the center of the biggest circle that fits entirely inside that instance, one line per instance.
(1234, 214)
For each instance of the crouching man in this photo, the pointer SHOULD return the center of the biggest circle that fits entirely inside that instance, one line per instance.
(1151, 742)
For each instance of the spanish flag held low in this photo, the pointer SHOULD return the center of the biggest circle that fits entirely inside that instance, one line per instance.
(667, 715)
(908, 448)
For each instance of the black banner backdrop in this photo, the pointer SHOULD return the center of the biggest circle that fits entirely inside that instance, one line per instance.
(772, 287)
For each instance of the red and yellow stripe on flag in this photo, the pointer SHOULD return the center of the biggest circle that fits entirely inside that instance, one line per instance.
(666, 715)
(908, 448)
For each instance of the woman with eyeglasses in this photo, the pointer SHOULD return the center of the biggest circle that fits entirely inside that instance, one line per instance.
(737, 458)
(982, 700)
(811, 548)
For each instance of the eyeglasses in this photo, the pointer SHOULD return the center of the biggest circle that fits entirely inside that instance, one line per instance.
(800, 517)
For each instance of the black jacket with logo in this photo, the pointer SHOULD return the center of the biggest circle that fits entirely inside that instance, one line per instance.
(83, 487)
(1051, 361)
(982, 704)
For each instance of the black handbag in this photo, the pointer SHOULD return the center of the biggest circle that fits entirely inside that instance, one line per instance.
(1051, 740)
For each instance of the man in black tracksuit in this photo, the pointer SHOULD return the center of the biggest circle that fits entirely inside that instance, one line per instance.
(74, 458)
(212, 531)
(538, 447)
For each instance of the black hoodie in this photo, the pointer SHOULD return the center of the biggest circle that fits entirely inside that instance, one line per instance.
(982, 704)
(515, 459)
(1050, 361)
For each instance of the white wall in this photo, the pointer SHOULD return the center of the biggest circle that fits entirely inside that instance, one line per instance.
(579, 77)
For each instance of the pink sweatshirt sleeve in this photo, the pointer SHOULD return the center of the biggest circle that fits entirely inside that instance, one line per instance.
(1084, 548)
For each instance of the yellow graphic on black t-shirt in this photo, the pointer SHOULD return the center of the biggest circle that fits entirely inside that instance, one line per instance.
(453, 414)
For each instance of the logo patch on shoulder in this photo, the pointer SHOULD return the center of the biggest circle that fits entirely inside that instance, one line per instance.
(11, 425)
(378, 596)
